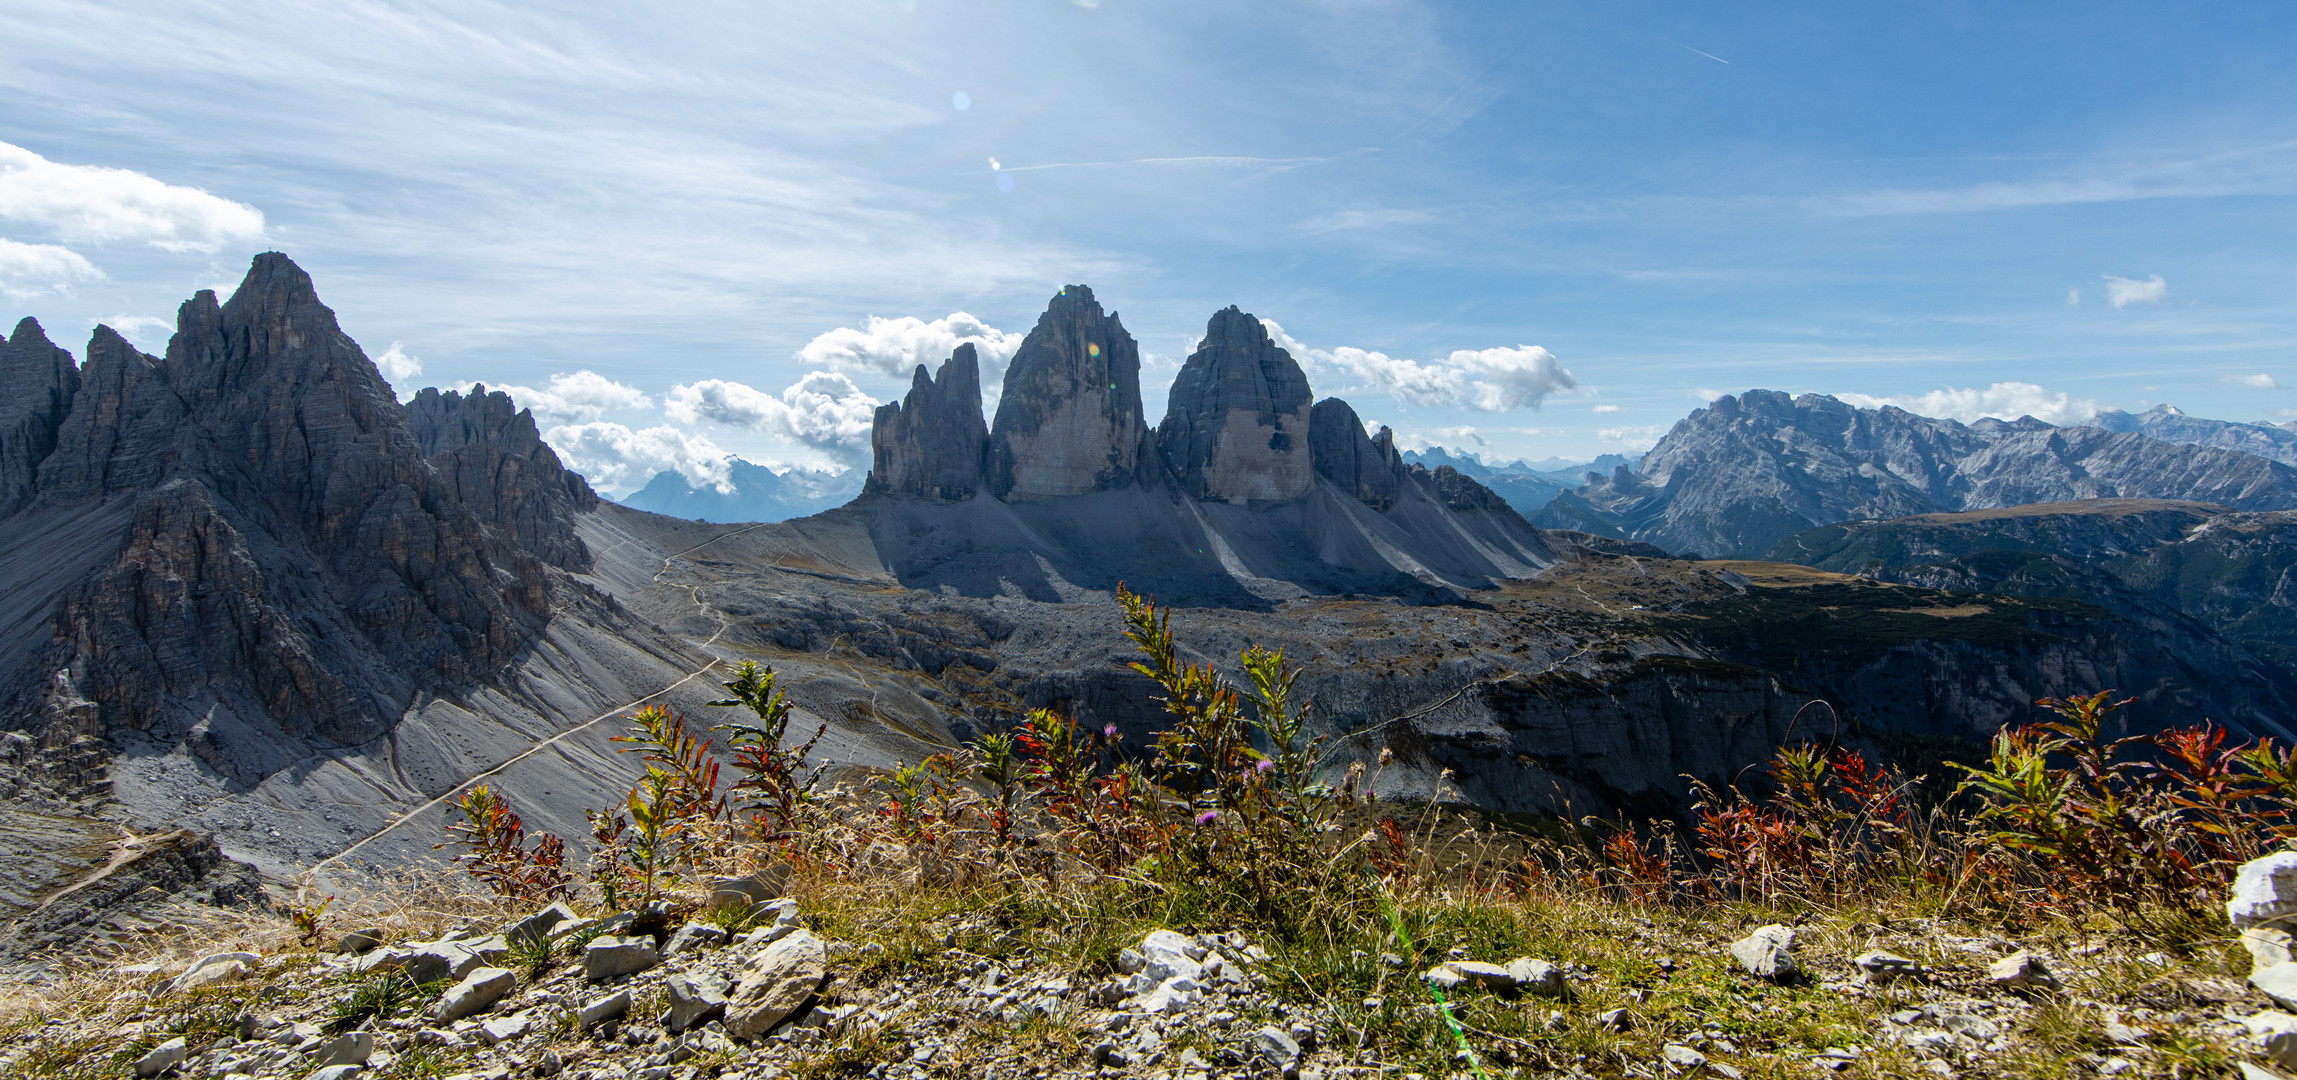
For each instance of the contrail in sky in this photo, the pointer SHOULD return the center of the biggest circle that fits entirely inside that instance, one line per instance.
(1702, 52)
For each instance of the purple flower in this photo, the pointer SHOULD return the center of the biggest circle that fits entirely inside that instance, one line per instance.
(1208, 817)
(1109, 732)
(1265, 764)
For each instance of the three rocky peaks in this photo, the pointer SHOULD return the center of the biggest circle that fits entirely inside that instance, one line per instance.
(1239, 426)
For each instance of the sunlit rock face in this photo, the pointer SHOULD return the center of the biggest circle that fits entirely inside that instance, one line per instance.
(1237, 424)
(932, 444)
(1070, 419)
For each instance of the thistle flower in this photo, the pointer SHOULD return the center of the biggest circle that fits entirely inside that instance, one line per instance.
(1208, 817)
(1109, 732)
(1265, 765)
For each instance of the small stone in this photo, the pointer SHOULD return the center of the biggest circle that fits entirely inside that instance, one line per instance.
(694, 999)
(1488, 976)
(358, 942)
(2277, 981)
(777, 980)
(1445, 976)
(337, 1072)
(2022, 970)
(2268, 945)
(611, 1007)
(501, 1029)
(350, 1048)
(2264, 891)
(1536, 976)
(1276, 1046)
(161, 1058)
(1767, 953)
(2275, 1035)
(1615, 1019)
(749, 888)
(1682, 1057)
(214, 968)
(540, 924)
(694, 937)
(2259, 1072)
(475, 994)
(1883, 967)
(611, 957)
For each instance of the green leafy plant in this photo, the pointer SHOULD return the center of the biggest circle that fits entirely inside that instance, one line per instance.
(775, 777)
(495, 850)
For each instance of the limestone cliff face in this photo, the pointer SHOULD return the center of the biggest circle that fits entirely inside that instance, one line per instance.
(278, 556)
(933, 443)
(37, 381)
(1367, 468)
(1070, 419)
(493, 461)
(1238, 421)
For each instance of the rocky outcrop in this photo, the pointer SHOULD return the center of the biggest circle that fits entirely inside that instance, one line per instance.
(278, 561)
(37, 381)
(1237, 424)
(933, 443)
(1744, 473)
(493, 461)
(1362, 466)
(1070, 421)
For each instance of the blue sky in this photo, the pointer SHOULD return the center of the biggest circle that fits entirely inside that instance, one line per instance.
(2088, 204)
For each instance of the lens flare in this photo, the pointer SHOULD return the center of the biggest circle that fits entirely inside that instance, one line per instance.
(1004, 181)
(961, 101)
(1092, 348)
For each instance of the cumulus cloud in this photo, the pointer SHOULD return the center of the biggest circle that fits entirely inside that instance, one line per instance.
(149, 332)
(582, 397)
(824, 410)
(94, 203)
(2260, 381)
(2123, 291)
(1707, 394)
(616, 458)
(396, 363)
(1634, 436)
(896, 346)
(1606, 408)
(33, 269)
(2003, 401)
(1487, 380)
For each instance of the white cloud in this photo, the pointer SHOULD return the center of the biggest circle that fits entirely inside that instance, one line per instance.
(1606, 408)
(896, 346)
(1707, 394)
(1639, 437)
(2122, 290)
(2260, 381)
(615, 458)
(1487, 380)
(824, 410)
(583, 397)
(2073, 297)
(94, 203)
(2003, 401)
(397, 363)
(33, 269)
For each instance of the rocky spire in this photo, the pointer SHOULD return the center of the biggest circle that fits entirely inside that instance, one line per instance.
(1070, 418)
(1237, 423)
(1358, 464)
(37, 381)
(932, 444)
(495, 463)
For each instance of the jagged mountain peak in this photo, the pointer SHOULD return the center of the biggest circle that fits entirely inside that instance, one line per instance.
(1236, 420)
(933, 443)
(1070, 420)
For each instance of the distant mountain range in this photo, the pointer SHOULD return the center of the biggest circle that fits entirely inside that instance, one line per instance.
(1526, 486)
(759, 494)
(1746, 472)
(2165, 422)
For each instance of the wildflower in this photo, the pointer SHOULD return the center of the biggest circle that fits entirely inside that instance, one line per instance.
(1208, 817)
(1109, 732)
(1265, 765)
(1387, 756)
